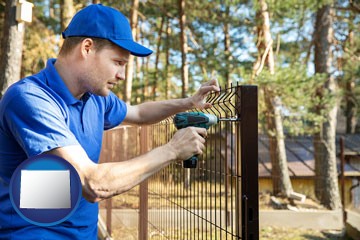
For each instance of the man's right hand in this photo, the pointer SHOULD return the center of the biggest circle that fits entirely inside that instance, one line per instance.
(188, 142)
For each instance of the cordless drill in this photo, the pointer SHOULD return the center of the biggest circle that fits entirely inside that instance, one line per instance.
(194, 119)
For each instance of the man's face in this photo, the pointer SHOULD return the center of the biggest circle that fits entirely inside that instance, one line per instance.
(104, 70)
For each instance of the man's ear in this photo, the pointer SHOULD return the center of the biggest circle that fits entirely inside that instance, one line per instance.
(87, 45)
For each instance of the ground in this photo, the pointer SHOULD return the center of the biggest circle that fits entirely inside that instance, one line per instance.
(266, 201)
(268, 233)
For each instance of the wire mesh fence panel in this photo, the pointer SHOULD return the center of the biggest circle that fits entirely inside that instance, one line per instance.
(219, 198)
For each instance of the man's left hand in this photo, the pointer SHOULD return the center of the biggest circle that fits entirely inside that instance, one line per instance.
(199, 98)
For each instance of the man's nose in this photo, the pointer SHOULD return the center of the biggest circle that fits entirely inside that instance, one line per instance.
(120, 75)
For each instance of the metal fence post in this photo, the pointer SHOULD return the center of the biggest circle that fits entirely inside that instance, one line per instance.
(249, 161)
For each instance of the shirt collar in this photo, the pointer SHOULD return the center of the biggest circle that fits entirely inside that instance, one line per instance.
(57, 84)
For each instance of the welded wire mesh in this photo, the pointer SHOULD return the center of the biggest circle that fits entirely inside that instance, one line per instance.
(216, 200)
(206, 202)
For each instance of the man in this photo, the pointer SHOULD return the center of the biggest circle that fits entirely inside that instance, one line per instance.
(64, 109)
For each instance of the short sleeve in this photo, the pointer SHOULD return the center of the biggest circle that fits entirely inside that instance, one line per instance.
(115, 111)
(37, 121)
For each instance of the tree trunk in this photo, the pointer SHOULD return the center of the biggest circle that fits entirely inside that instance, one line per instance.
(11, 47)
(184, 67)
(280, 174)
(227, 43)
(351, 106)
(67, 12)
(167, 59)
(326, 180)
(350, 99)
(130, 65)
(146, 79)
(184, 49)
(138, 74)
(156, 75)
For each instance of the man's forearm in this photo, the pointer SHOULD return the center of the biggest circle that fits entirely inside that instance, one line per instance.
(110, 179)
(101, 181)
(153, 112)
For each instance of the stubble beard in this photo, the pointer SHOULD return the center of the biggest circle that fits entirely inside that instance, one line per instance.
(94, 85)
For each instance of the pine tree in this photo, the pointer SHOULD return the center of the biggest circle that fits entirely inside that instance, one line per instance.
(11, 47)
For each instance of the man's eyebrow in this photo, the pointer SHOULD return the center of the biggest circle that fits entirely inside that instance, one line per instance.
(121, 59)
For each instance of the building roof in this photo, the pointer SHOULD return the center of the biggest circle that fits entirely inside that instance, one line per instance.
(300, 155)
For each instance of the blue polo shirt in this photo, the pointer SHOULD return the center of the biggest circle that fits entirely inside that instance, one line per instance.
(38, 114)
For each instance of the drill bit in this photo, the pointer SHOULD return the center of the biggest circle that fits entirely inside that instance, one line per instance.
(231, 119)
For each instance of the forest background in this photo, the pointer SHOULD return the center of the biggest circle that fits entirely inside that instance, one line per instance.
(303, 55)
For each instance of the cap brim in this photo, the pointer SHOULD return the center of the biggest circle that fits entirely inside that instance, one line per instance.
(133, 47)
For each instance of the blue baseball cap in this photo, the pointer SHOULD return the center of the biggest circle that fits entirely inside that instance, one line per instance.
(100, 21)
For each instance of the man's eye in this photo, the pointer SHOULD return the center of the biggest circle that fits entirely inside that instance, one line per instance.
(120, 63)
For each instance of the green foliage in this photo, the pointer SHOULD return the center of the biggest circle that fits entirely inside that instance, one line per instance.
(41, 44)
(293, 9)
(350, 74)
(291, 26)
(298, 94)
